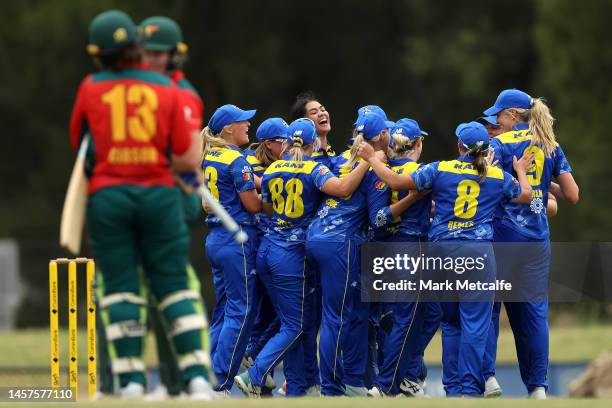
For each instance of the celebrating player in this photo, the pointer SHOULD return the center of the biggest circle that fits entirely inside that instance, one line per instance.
(307, 105)
(271, 143)
(404, 346)
(527, 124)
(291, 192)
(229, 177)
(333, 247)
(466, 192)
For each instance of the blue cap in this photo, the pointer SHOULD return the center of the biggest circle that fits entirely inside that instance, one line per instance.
(371, 108)
(364, 110)
(304, 129)
(226, 115)
(472, 134)
(488, 120)
(272, 128)
(370, 124)
(409, 128)
(510, 98)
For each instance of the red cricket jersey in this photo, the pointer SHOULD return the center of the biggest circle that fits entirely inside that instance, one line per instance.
(135, 118)
(193, 104)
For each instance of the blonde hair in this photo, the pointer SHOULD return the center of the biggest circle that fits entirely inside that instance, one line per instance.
(296, 151)
(211, 140)
(540, 123)
(357, 139)
(263, 153)
(402, 146)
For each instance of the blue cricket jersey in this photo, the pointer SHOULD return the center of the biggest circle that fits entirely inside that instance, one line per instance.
(324, 156)
(258, 167)
(415, 220)
(228, 173)
(464, 205)
(294, 190)
(529, 221)
(341, 219)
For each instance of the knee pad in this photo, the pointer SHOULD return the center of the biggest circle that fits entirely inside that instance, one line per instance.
(180, 312)
(194, 358)
(125, 313)
(124, 325)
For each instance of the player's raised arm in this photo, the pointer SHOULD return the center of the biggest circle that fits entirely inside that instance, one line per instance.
(346, 186)
(393, 180)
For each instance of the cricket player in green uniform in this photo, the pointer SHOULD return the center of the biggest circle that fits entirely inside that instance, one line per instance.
(139, 135)
(165, 52)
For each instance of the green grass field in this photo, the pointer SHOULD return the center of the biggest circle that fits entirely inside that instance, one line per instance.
(24, 361)
(27, 348)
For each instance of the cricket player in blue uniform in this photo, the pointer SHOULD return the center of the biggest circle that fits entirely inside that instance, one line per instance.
(229, 177)
(404, 346)
(271, 142)
(333, 248)
(466, 192)
(291, 192)
(527, 124)
(307, 105)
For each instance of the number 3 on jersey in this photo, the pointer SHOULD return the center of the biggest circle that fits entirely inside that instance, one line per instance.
(293, 207)
(211, 176)
(466, 202)
(142, 125)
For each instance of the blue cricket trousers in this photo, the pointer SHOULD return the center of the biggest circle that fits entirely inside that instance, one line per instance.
(465, 327)
(234, 278)
(284, 273)
(343, 343)
(528, 320)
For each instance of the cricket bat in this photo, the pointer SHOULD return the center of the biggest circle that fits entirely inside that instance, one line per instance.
(228, 222)
(75, 203)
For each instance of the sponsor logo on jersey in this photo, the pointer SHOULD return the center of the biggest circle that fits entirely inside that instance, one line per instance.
(379, 185)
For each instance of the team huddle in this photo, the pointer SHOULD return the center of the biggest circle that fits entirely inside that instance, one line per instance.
(292, 292)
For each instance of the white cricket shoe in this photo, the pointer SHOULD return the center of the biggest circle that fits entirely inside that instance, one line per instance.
(200, 389)
(411, 389)
(538, 393)
(133, 391)
(375, 392)
(492, 388)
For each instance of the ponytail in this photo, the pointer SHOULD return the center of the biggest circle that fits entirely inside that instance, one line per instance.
(480, 164)
(210, 140)
(480, 161)
(541, 127)
(296, 152)
(353, 151)
(263, 154)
